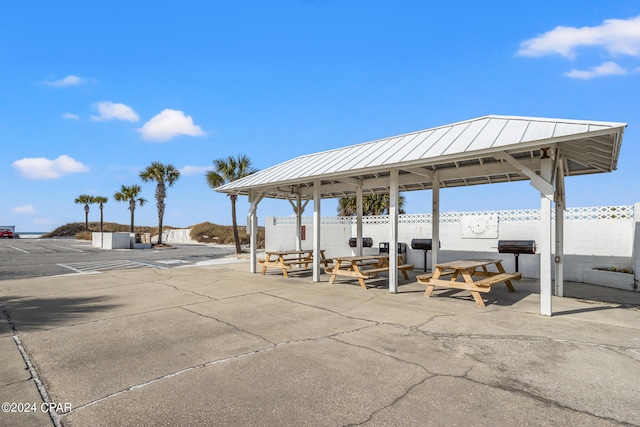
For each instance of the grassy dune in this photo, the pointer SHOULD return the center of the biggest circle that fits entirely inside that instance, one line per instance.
(205, 232)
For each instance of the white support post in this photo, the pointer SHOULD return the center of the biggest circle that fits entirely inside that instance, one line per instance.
(359, 220)
(298, 210)
(393, 231)
(252, 223)
(636, 241)
(435, 220)
(559, 198)
(316, 231)
(546, 169)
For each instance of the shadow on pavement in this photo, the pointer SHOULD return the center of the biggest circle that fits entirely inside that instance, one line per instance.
(28, 314)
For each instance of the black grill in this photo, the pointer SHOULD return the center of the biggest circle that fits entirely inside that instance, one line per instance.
(367, 242)
(384, 248)
(424, 245)
(516, 247)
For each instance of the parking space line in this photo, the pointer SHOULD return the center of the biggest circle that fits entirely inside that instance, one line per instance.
(18, 249)
(71, 268)
(98, 266)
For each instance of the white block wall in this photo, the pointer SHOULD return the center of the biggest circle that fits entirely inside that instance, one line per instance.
(588, 243)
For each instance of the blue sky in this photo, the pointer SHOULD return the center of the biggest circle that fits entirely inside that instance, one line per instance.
(92, 92)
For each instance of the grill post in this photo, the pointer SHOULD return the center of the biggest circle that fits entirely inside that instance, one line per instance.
(422, 244)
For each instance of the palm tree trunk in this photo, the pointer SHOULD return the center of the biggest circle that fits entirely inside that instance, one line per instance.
(101, 217)
(160, 194)
(159, 230)
(236, 235)
(86, 217)
(132, 208)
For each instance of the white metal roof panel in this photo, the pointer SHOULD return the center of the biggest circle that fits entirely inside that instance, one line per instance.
(415, 147)
(512, 131)
(446, 138)
(537, 131)
(460, 148)
(466, 137)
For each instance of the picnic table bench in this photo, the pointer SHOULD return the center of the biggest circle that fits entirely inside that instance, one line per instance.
(467, 269)
(289, 260)
(363, 267)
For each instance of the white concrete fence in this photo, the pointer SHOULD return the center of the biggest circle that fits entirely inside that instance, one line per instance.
(594, 238)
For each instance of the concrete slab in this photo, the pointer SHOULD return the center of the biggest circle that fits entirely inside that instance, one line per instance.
(13, 368)
(215, 345)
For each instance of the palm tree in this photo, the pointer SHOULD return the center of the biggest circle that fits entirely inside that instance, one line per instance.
(372, 204)
(347, 206)
(227, 170)
(163, 175)
(100, 200)
(130, 194)
(86, 200)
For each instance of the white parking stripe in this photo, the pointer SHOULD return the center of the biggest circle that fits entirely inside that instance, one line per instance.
(92, 267)
(18, 249)
(71, 268)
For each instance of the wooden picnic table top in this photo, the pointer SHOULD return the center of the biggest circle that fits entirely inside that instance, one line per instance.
(294, 252)
(360, 257)
(466, 264)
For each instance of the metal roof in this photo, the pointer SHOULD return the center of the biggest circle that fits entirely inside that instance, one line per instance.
(470, 152)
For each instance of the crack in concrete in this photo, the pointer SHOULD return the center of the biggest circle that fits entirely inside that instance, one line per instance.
(273, 346)
(229, 324)
(542, 399)
(167, 376)
(54, 416)
(395, 401)
(187, 290)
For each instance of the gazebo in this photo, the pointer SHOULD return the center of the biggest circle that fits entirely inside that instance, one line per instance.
(485, 150)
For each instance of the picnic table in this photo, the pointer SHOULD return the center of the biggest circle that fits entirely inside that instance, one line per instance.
(363, 267)
(288, 260)
(468, 269)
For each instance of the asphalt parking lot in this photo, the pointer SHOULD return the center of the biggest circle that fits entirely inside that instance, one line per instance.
(28, 258)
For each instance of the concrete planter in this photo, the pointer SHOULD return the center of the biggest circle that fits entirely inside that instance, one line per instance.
(611, 279)
(140, 240)
(111, 240)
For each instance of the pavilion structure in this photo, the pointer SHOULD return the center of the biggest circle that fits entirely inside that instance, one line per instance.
(485, 150)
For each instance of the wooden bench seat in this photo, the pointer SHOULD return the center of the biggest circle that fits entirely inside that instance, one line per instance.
(483, 285)
(424, 278)
(497, 278)
(304, 261)
(290, 261)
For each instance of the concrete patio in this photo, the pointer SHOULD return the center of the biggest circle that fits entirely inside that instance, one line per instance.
(215, 345)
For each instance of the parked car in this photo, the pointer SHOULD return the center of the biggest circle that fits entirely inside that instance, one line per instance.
(5, 232)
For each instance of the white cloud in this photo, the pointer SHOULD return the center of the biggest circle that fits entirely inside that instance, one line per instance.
(43, 168)
(195, 170)
(114, 111)
(70, 116)
(26, 210)
(606, 69)
(67, 81)
(167, 125)
(616, 36)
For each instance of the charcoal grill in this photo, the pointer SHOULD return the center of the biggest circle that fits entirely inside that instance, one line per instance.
(383, 248)
(367, 242)
(517, 247)
(425, 245)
